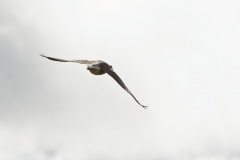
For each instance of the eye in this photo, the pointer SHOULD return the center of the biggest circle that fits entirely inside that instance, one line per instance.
(111, 67)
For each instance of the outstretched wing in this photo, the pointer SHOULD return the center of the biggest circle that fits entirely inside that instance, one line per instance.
(108, 70)
(63, 60)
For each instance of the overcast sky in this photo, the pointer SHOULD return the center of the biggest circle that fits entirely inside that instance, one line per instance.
(180, 58)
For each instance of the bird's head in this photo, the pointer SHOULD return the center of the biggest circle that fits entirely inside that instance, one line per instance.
(111, 67)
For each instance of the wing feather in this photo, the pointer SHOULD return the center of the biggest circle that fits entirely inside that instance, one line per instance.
(109, 71)
(63, 60)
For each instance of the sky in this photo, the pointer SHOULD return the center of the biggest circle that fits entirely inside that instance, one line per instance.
(180, 58)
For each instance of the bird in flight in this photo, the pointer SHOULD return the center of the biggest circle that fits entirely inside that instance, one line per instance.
(98, 67)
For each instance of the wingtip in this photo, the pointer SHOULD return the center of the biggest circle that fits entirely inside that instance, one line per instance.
(42, 54)
(145, 107)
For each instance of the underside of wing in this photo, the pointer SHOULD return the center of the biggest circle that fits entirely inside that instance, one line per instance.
(106, 68)
(63, 60)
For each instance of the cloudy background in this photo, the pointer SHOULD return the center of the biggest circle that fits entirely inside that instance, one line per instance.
(181, 58)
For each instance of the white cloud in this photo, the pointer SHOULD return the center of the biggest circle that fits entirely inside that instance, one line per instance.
(179, 58)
